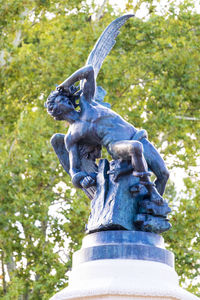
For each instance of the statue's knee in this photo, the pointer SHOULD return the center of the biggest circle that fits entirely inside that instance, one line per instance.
(137, 148)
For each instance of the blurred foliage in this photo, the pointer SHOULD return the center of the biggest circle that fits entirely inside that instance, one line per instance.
(152, 79)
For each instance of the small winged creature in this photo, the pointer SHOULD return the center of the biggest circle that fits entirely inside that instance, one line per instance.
(94, 125)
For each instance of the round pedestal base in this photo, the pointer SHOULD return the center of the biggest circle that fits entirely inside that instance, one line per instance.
(123, 244)
(123, 279)
(123, 265)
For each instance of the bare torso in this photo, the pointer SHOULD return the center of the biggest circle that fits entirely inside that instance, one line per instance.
(99, 125)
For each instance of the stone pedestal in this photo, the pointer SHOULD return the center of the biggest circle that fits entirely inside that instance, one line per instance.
(123, 265)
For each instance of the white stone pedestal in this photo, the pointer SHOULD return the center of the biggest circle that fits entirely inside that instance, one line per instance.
(123, 265)
(123, 279)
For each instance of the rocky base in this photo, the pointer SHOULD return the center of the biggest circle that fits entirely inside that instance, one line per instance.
(121, 202)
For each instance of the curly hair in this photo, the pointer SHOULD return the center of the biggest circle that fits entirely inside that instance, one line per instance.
(51, 105)
(72, 95)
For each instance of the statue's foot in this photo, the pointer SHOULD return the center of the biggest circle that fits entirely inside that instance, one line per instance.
(153, 193)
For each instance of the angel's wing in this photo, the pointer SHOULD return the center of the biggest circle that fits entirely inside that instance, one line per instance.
(105, 43)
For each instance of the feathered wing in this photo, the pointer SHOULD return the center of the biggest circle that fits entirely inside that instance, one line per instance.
(57, 142)
(105, 43)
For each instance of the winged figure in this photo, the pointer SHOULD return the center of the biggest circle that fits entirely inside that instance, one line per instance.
(95, 125)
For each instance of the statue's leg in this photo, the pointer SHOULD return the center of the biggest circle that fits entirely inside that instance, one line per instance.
(134, 150)
(130, 149)
(156, 164)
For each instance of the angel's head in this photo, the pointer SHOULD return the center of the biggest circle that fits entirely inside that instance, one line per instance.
(59, 105)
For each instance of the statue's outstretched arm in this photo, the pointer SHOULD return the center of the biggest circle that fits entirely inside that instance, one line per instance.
(86, 73)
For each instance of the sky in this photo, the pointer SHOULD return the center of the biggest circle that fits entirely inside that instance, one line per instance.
(161, 5)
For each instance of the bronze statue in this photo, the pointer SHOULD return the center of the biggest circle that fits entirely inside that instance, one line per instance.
(95, 125)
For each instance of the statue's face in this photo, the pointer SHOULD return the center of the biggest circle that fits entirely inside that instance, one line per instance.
(63, 104)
